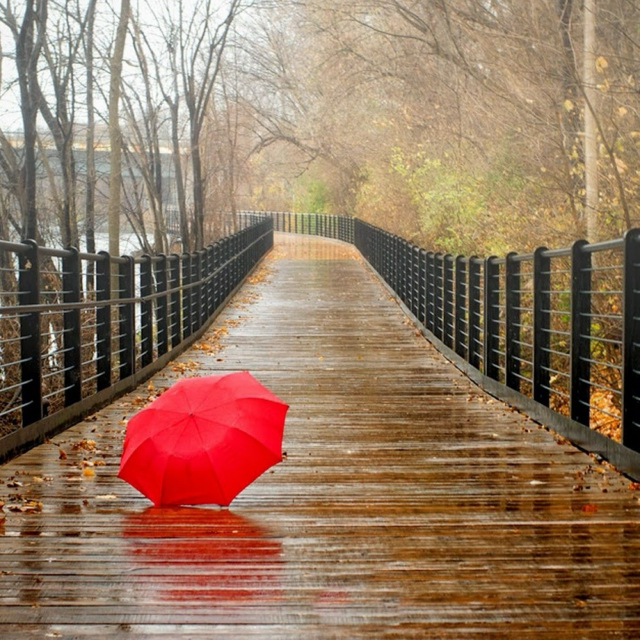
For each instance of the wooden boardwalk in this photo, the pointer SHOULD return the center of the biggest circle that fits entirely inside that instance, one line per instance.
(409, 505)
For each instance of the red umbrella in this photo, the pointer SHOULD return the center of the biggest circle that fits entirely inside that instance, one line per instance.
(203, 440)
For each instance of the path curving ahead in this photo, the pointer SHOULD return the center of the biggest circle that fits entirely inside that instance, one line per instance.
(409, 505)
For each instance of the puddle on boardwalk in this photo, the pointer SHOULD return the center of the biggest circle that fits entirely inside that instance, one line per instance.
(292, 247)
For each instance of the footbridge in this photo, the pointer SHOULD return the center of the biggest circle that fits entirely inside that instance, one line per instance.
(461, 449)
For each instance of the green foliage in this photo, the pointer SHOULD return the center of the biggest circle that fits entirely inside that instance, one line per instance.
(449, 200)
(311, 195)
(461, 206)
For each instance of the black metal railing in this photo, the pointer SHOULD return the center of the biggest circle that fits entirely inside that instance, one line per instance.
(77, 329)
(315, 224)
(555, 332)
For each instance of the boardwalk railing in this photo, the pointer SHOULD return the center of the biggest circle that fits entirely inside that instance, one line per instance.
(555, 332)
(315, 224)
(78, 329)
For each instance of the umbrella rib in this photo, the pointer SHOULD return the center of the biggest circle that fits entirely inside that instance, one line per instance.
(211, 465)
(235, 427)
(164, 474)
(258, 442)
(242, 398)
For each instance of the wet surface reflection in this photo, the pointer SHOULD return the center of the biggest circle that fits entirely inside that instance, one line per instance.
(296, 247)
(204, 554)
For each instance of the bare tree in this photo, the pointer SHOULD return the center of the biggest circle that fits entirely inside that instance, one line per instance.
(90, 189)
(145, 118)
(61, 51)
(115, 136)
(29, 38)
(200, 50)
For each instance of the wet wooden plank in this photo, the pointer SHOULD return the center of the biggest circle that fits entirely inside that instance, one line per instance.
(409, 503)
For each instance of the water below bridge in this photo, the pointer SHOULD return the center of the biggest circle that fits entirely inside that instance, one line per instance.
(409, 504)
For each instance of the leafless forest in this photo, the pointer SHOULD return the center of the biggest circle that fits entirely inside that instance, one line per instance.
(471, 126)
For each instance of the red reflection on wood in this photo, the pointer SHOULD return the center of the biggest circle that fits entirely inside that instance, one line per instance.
(204, 554)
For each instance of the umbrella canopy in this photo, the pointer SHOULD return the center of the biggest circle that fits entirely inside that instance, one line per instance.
(203, 440)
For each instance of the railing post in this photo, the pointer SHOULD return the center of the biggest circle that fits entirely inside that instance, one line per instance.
(393, 261)
(223, 269)
(438, 295)
(491, 317)
(415, 280)
(475, 299)
(174, 301)
(209, 277)
(580, 332)
(541, 325)
(512, 322)
(186, 295)
(162, 305)
(447, 300)
(127, 326)
(422, 286)
(196, 299)
(431, 287)
(72, 341)
(146, 311)
(460, 308)
(103, 322)
(194, 293)
(631, 342)
(403, 283)
(30, 341)
(383, 248)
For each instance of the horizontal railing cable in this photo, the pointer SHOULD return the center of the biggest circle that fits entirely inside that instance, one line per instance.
(555, 332)
(77, 329)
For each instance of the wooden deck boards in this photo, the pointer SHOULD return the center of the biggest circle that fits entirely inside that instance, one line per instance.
(409, 504)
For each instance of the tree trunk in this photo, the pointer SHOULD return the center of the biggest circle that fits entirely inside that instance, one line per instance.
(198, 194)
(27, 53)
(179, 178)
(90, 196)
(115, 138)
(590, 124)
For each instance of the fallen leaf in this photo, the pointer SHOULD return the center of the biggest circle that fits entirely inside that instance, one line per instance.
(28, 506)
(88, 472)
(589, 508)
(84, 444)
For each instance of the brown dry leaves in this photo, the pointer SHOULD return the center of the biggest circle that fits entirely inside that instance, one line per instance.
(242, 301)
(184, 367)
(608, 425)
(260, 274)
(211, 343)
(17, 501)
